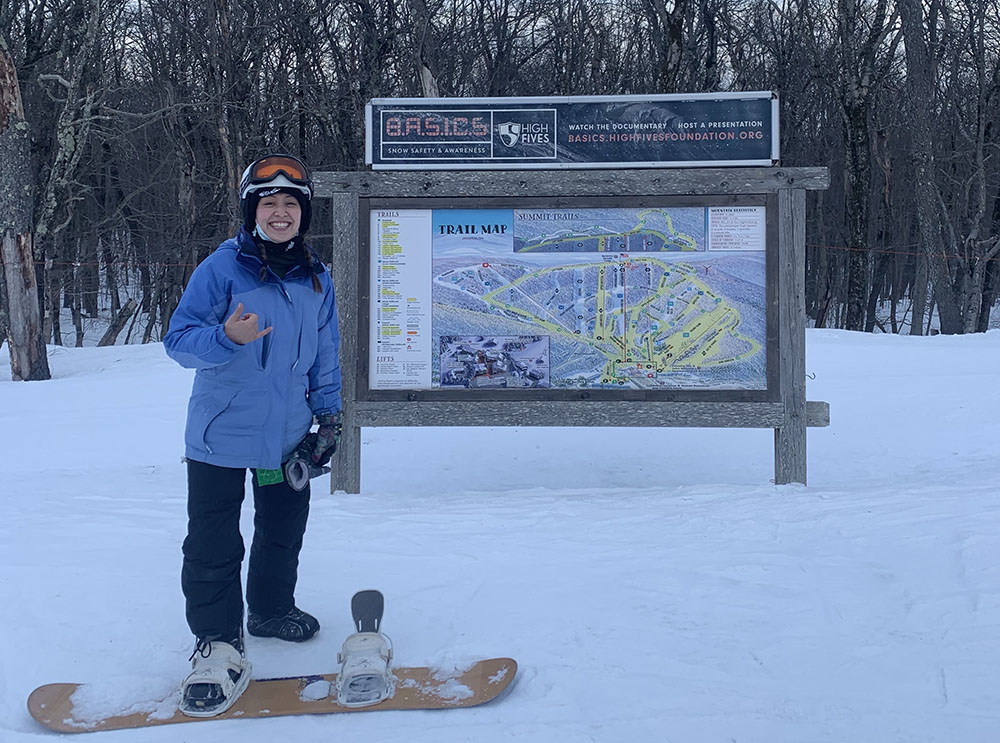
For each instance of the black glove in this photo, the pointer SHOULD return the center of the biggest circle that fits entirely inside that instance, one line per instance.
(317, 447)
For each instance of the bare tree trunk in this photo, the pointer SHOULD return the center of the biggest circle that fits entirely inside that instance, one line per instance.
(931, 219)
(894, 292)
(818, 280)
(980, 295)
(859, 177)
(27, 349)
(918, 295)
(423, 46)
(991, 287)
(712, 73)
(118, 324)
(77, 311)
(107, 252)
(72, 289)
(70, 138)
(979, 249)
(89, 277)
(154, 304)
(111, 275)
(53, 281)
(221, 108)
(668, 33)
(131, 326)
(169, 298)
(27, 344)
(4, 325)
(146, 280)
(877, 285)
(861, 42)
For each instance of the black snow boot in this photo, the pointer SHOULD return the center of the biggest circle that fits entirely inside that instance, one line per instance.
(294, 626)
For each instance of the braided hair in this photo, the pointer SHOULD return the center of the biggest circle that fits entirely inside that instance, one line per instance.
(310, 266)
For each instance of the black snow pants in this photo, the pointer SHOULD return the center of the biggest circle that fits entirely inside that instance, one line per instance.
(213, 549)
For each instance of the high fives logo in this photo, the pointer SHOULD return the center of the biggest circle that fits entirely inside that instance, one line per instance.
(528, 133)
(510, 133)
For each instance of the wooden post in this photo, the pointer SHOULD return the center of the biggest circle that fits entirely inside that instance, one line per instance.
(346, 474)
(790, 436)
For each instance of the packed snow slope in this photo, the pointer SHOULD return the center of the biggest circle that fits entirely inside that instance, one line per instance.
(652, 584)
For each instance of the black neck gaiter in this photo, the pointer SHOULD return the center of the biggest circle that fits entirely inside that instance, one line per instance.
(280, 257)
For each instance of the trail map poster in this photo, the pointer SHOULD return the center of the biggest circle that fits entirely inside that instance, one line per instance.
(577, 298)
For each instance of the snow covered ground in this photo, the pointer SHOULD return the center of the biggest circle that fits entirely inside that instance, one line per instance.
(652, 585)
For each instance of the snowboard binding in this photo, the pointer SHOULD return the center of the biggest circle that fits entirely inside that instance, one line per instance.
(365, 676)
(220, 673)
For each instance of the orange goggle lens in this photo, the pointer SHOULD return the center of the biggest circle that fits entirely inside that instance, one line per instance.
(271, 166)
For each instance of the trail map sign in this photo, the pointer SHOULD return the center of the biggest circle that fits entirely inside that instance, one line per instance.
(644, 298)
(670, 297)
(573, 132)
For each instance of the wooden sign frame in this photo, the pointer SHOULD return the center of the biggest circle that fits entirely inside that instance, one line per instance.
(782, 407)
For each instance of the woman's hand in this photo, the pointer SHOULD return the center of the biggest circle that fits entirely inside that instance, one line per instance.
(322, 443)
(244, 328)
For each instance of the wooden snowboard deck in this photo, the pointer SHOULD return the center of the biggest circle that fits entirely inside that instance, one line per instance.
(416, 688)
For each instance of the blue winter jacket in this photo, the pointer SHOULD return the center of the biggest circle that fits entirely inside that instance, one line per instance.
(251, 405)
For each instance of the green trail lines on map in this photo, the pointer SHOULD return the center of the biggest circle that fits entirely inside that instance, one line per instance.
(696, 332)
(685, 242)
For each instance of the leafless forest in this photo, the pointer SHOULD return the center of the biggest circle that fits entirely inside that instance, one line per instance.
(124, 125)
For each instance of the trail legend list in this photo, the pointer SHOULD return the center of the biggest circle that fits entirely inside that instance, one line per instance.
(400, 286)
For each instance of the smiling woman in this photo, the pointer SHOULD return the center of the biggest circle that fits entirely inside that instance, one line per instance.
(278, 216)
(258, 323)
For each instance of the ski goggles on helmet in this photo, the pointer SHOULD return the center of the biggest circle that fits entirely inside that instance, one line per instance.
(268, 168)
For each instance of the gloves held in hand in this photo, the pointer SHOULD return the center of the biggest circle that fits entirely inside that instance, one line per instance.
(320, 445)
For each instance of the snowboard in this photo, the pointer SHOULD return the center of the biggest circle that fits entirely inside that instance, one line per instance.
(416, 688)
(52, 705)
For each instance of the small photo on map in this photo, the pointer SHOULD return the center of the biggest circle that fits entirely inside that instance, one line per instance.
(491, 361)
